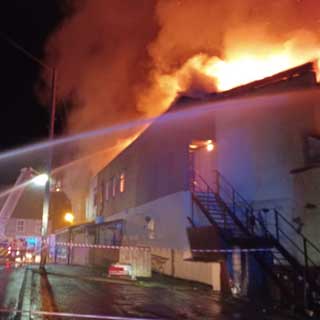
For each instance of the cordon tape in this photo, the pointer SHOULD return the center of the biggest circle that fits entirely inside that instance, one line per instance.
(101, 246)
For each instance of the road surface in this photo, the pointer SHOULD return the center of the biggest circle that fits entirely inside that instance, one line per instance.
(84, 291)
(11, 282)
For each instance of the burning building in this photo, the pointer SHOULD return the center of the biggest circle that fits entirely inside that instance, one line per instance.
(234, 173)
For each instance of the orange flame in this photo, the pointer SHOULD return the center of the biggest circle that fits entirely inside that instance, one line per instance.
(244, 69)
(213, 74)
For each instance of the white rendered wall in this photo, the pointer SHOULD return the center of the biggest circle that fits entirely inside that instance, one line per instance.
(259, 141)
(170, 222)
(170, 246)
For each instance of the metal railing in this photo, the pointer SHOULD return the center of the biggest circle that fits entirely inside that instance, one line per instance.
(305, 251)
(234, 202)
(280, 229)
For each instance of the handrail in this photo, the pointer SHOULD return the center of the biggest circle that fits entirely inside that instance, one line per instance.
(291, 241)
(205, 182)
(241, 212)
(231, 186)
(238, 203)
(279, 231)
(209, 188)
(295, 229)
(234, 200)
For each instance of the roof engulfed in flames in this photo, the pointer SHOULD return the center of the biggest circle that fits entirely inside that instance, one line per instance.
(245, 69)
(202, 74)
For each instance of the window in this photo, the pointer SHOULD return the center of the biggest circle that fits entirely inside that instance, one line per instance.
(107, 191)
(101, 194)
(95, 197)
(38, 227)
(20, 226)
(111, 233)
(150, 226)
(114, 186)
(122, 182)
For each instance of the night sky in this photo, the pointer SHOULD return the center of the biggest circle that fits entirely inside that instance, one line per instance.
(23, 119)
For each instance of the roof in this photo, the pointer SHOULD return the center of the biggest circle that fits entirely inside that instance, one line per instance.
(30, 204)
(297, 78)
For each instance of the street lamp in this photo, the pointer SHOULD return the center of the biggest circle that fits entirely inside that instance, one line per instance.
(40, 180)
(46, 200)
(69, 217)
(210, 146)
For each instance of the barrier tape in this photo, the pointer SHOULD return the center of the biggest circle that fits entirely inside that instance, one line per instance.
(99, 246)
(102, 246)
(70, 314)
(231, 250)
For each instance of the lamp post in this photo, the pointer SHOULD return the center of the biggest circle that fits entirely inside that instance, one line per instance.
(46, 200)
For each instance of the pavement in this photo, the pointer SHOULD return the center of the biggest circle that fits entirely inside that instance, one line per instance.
(11, 283)
(72, 292)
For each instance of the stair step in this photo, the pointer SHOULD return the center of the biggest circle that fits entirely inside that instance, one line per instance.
(221, 221)
(229, 225)
(216, 211)
(212, 200)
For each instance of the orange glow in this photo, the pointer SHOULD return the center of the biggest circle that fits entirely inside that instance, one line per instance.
(69, 217)
(203, 73)
(122, 182)
(192, 146)
(247, 67)
(210, 147)
(317, 68)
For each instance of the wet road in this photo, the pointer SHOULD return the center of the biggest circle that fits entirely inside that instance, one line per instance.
(86, 291)
(160, 297)
(10, 285)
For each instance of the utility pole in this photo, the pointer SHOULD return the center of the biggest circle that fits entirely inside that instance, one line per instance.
(46, 199)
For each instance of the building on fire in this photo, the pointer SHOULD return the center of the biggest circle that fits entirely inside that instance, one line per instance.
(234, 172)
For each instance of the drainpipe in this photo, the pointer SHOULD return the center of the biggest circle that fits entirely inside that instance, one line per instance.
(236, 268)
(172, 263)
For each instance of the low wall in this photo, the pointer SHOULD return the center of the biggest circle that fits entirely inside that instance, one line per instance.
(138, 258)
(172, 262)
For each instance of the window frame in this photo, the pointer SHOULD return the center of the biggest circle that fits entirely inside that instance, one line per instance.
(107, 191)
(114, 186)
(18, 226)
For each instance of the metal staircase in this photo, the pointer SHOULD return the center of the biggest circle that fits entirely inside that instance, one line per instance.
(294, 256)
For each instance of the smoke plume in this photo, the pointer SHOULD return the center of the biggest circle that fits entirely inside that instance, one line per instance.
(123, 60)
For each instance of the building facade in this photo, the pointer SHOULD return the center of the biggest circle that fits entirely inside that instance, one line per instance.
(25, 221)
(253, 138)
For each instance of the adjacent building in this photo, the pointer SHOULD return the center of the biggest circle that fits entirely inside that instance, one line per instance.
(24, 214)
